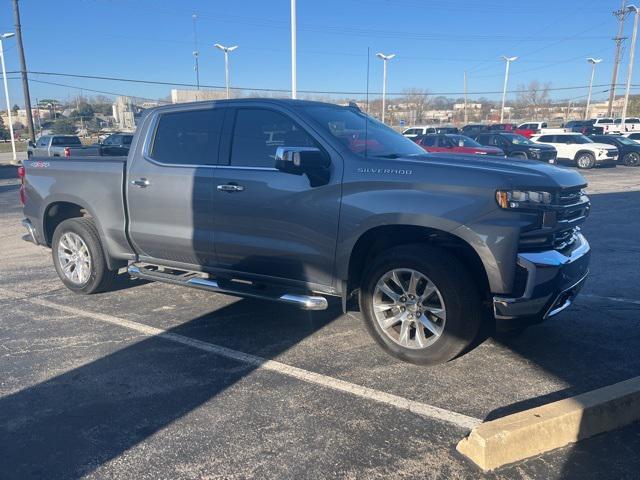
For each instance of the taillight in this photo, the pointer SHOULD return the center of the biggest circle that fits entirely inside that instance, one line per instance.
(21, 175)
(67, 152)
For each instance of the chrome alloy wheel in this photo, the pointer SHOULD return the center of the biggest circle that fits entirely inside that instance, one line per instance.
(74, 258)
(409, 308)
(584, 160)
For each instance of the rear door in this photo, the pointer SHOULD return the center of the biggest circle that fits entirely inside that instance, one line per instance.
(274, 224)
(170, 187)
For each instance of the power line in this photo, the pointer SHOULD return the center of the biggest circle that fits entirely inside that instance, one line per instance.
(279, 90)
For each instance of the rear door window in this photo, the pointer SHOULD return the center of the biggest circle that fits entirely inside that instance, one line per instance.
(189, 137)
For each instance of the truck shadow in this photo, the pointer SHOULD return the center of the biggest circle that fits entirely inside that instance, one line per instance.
(68, 426)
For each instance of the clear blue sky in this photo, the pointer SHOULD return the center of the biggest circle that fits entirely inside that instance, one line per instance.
(435, 40)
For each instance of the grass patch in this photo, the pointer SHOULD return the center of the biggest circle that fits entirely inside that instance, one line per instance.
(5, 147)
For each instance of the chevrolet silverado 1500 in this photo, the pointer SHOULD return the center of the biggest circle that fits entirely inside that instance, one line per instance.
(297, 201)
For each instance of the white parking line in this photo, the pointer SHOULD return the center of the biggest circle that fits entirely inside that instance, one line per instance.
(419, 408)
(611, 299)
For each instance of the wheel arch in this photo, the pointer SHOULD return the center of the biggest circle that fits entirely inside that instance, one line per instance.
(61, 209)
(381, 238)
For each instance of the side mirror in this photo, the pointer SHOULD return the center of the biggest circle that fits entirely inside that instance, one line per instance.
(31, 144)
(304, 160)
(299, 160)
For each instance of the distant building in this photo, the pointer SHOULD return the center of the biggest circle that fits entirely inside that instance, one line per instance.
(124, 112)
(186, 96)
(470, 106)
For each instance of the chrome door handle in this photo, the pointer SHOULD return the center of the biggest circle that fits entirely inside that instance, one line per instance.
(229, 187)
(141, 182)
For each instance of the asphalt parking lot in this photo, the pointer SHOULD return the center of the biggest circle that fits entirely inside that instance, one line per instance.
(158, 381)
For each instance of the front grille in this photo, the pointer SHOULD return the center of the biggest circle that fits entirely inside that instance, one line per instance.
(564, 239)
(612, 152)
(559, 223)
(570, 196)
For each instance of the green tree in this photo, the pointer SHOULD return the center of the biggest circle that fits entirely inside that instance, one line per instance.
(64, 126)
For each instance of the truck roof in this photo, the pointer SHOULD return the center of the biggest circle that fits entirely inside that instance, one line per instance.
(276, 101)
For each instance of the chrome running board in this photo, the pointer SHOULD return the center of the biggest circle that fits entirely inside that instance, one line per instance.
(203, 282)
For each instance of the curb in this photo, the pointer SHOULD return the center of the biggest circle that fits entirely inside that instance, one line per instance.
(554, 425)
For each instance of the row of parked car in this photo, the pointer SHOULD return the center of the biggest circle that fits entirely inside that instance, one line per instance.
(595, 126)
(561, 147)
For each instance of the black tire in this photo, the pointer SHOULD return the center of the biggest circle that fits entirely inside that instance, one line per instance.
(100, 277)
(585, 160)
(631, 159)
(459, 291)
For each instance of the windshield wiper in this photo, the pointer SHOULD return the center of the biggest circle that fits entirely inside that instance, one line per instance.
(388, 155)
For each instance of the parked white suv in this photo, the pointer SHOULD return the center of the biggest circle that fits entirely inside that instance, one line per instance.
(577, 148)
(608, 125)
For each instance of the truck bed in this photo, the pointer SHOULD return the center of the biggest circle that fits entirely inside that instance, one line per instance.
(95, 183)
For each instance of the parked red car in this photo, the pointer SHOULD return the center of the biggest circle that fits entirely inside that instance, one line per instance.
(455, 143)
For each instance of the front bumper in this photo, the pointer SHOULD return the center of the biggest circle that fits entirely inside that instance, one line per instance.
(553, 280)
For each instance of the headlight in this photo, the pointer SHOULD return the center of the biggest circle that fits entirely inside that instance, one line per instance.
(535, 153)
(602, 152)
(522, 198)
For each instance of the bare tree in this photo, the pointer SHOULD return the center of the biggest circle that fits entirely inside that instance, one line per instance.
(418, 100)
(532, 97)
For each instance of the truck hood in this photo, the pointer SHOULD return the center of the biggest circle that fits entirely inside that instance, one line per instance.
(517, 173)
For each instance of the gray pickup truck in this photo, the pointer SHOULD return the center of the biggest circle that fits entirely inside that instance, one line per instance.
(60, 146)
(297, 201)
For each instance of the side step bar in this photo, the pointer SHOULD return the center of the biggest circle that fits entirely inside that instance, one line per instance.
(194, 280)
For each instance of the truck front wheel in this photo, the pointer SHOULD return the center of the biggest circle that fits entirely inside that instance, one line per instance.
(79, 258)
(420, 304)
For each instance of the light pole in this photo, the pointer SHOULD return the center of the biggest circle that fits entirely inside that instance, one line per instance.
(4, 36)
(506, 80)
(593, 62)
(631, 8)
(226, 51)
(385, 59)
(294, 66)
(196, 52)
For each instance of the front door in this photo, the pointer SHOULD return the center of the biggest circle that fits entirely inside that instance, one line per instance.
(170, 187)
(270, 223)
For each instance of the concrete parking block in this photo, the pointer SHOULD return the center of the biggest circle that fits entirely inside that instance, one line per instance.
(554, 425)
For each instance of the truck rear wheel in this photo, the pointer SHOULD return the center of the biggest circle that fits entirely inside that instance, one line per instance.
(79, 258)
(420, 304)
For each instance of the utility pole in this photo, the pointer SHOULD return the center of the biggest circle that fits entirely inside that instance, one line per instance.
(465, 98)
(23, 72)
(385, 59)
(619, 39)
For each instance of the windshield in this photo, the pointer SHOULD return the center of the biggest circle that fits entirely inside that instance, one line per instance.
(626, 141)
(517, 139)
(361, 134)
(462, 141)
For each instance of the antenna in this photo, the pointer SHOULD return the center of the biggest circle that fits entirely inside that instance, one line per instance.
(366, 116)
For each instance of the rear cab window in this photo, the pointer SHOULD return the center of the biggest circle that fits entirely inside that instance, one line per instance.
(190, 137)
